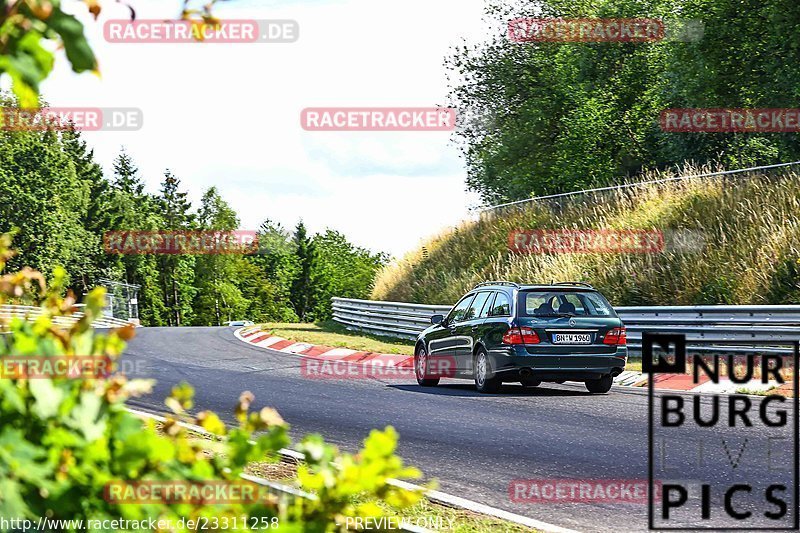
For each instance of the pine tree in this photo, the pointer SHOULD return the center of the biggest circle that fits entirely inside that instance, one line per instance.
(302, 291)
(177, 271)
(130, 208)
(175, 205)
(126, 175)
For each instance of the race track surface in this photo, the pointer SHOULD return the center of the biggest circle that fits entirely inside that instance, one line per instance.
(473, 444)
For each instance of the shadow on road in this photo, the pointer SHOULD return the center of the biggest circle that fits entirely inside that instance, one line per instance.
(507, 390)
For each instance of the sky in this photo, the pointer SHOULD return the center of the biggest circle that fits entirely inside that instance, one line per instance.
(228, 115)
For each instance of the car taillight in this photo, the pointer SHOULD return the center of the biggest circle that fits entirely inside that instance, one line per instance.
(521, 335)
(617, 337)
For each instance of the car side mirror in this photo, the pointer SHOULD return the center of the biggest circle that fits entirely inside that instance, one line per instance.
(437, 319)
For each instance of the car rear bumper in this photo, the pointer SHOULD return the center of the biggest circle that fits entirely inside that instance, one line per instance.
(513, 363)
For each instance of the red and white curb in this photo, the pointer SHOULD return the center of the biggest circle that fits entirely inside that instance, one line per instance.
(685, 383)
(263, 339)
(629, 378)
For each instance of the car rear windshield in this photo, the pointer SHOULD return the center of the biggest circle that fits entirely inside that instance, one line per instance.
(564, 303)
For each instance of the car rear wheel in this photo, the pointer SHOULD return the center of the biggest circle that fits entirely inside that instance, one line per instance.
(485, 380)
(421, 368)
(529, 382)
(599, 386)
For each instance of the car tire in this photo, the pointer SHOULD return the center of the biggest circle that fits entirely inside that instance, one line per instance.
(599, 386)
(530, 382)
(421, 368)
(483, 370)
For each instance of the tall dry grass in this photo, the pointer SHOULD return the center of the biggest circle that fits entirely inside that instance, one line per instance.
(748, 223)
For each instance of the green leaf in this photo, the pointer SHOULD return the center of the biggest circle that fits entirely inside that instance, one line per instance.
(27, 63)
(31, 44)
(85, 417)
(48, 397)
(11, 398)
(11, 501)
(23, 458)
(76, 46)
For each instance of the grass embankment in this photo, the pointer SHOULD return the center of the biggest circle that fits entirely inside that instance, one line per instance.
(750, 249)
(333, 334)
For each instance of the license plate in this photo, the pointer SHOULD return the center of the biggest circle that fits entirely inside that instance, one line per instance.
(572, 338)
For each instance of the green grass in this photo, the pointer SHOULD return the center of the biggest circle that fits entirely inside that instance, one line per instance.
(462, 521)
(333, 334)
(750, 249)
(756, 392)
(634, 364)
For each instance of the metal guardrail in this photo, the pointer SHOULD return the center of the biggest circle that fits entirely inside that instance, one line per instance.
(27, 312)
(707, 325)
(638, 184)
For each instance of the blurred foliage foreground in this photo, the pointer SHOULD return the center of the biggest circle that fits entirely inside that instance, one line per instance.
(64, 439)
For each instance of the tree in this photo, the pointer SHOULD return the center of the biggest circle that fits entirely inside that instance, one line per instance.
(45, 198)
(267, 275)
(563, 117)
(69, 206)
(177, 271)
(175, 205)
(126, 175)
(218, 296)
(93, 216)
(342, 270)
(130, 208)
(303, 285)
(63, 439)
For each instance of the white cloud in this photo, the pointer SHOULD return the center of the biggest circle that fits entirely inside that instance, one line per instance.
(229, 114)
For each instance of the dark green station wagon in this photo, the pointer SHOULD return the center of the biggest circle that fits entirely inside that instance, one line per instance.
(505, 332)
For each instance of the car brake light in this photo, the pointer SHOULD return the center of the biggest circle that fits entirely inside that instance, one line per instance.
(521, 335)
(617, 337)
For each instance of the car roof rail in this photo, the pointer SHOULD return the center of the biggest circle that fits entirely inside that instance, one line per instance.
(579, 283)
(487, 283)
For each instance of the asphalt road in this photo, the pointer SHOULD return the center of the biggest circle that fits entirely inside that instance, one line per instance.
(474, 444)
